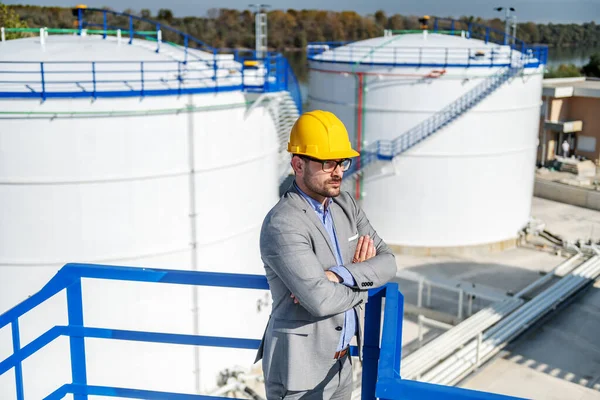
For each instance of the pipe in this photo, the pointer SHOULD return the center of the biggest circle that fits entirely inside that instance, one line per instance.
(193, 243)
(496, 338)
(549, 276)
(359, 128)
(125, 113)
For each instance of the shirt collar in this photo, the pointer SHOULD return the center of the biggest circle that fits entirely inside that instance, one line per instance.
(314, 203)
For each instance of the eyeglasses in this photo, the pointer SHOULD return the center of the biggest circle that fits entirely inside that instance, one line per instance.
(331, 165)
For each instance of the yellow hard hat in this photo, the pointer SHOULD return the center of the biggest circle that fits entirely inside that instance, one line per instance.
(321, 135)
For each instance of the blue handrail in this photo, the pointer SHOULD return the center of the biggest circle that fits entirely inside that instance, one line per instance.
(418, 56)
(381, 364)
(202, 69)
(386, 150)
(411, 56)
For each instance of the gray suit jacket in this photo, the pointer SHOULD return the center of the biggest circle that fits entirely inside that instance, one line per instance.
(301, 339)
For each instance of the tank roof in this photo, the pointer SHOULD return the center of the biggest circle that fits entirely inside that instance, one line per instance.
(93, 66)
(423, 40)
(426, 49)
(70, 48)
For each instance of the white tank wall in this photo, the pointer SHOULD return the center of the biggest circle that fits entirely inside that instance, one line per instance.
(471, 182)
(116, 190)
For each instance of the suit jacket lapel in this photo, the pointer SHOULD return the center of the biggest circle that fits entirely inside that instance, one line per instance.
(340, 231)
(303, 204)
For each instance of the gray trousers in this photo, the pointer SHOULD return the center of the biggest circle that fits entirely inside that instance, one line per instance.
(336, 386)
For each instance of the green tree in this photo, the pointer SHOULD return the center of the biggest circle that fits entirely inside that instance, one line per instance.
(165, 14)
(593, 67)
(563, 71)
(10, 19)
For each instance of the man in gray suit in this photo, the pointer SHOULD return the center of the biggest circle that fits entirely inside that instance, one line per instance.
(321, 255)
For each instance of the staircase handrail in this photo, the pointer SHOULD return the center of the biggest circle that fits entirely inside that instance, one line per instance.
(388, 149)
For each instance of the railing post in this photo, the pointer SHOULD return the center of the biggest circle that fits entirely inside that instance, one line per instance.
(420, 293)
(215, 69)
(179, 77)
(142, 75)
(94, 77)
(2, 34)
(158, 38)
(185, 44)
(371, 346)
(243, 72)
(80, 20)
(470, 306)
(16, 339)
(105, 24)
(77, 344)
(130, 30)
(43, 81)
(429, 295)
(459, 314)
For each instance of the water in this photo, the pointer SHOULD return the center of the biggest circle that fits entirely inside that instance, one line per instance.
(579, 56)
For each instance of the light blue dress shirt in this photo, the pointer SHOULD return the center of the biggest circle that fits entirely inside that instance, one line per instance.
(349, 328)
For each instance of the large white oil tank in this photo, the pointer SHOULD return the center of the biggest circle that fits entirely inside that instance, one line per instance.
(471, 182)
(113, 152)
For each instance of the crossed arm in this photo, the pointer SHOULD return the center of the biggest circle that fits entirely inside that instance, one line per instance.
(290, 255)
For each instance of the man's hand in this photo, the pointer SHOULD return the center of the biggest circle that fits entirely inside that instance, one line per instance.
(365, 249)
(332, 276)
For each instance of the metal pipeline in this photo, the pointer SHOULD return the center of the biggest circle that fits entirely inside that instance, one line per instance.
(462, 363)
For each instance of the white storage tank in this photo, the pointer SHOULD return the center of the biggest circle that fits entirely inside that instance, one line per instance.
(112, 152)
(468, 184)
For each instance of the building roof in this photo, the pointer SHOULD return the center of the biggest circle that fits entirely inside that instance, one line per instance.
(572, 87)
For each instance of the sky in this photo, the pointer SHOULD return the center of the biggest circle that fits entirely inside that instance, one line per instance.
(541, 11)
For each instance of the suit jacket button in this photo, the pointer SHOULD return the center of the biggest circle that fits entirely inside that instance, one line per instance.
(338, 328)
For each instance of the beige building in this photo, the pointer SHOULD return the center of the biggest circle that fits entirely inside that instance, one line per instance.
(571, 113)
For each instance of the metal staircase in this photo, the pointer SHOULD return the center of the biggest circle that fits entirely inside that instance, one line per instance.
(379, 153)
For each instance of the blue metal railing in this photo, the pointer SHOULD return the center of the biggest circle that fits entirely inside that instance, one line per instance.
(381, 366)
(202, 68)
(407, 56)
(386, 150)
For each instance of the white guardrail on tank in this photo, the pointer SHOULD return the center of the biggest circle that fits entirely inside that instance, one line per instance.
(478, 346)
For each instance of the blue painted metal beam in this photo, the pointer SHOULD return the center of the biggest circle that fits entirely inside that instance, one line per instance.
(134, 393)
(157, 337)
(31, 348)
(404, 389)
(76, 343)
(16, 338)
(214, 279)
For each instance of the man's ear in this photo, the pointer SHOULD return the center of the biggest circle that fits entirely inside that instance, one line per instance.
(297, 164)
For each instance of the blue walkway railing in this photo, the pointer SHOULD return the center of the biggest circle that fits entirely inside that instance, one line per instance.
(200, 69)
(386, 150)
(381, 364)
(399, 56)
(512, 59)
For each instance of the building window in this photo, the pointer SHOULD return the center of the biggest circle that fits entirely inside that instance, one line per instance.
(586, 143)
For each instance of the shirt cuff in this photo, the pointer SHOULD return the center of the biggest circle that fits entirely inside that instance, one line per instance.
(347, 278)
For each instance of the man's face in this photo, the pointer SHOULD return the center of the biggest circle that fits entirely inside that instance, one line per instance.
(326, 184)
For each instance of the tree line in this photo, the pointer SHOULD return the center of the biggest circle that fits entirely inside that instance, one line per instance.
(294, 29)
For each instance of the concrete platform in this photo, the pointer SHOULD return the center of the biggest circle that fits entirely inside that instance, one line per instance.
(561, 360)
